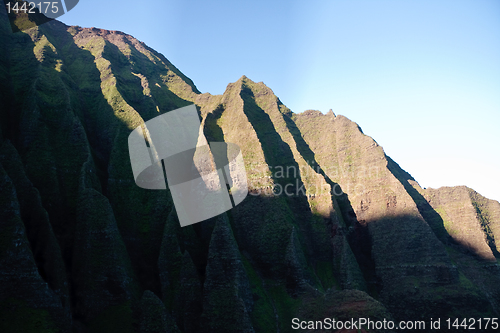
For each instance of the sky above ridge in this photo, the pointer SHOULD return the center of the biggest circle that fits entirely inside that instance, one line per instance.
(420, 77)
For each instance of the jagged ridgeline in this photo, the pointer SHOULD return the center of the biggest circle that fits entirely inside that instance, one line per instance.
(83, 249)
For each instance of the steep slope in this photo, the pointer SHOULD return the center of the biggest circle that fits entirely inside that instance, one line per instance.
(331, 227)
(87, 88)
(407, 255)
(469, 220)
(62, 112)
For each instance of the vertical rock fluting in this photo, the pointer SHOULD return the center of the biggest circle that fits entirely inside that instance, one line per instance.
(189, 299)
(82, 248)
(43, 243)
(410, 262)
(227, 297)
(469, 220)
(26, 300)
(153, 316)
(101, 269)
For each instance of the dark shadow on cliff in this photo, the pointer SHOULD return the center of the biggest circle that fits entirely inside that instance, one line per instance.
(431, 216)
(87, 100)
(277, 154)
(266, 222)
(421, 278)
(338, 194)
(13, 114)
(485, 224)
(131, 87)
(276, 151)
(356, 233)
(34, 15)
(140, 214)
(24, 71)
(212, 130)
(482, 272)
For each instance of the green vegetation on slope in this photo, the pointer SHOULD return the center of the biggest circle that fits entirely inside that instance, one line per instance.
(95, 251)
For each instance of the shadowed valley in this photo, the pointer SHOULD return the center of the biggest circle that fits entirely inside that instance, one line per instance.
(332, 227)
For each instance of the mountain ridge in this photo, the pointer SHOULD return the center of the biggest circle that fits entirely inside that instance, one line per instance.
(89, 251)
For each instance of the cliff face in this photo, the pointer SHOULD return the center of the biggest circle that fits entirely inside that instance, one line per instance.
(332, 227)
(394, 224)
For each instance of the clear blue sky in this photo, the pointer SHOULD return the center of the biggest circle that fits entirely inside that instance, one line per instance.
(421, 77)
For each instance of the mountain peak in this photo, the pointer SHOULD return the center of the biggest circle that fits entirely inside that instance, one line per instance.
(330, 220)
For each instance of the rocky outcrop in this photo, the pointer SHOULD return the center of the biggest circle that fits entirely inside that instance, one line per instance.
(153, 316)
(227, 297)
(410, 259)
(27, 301)
(469, 220)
